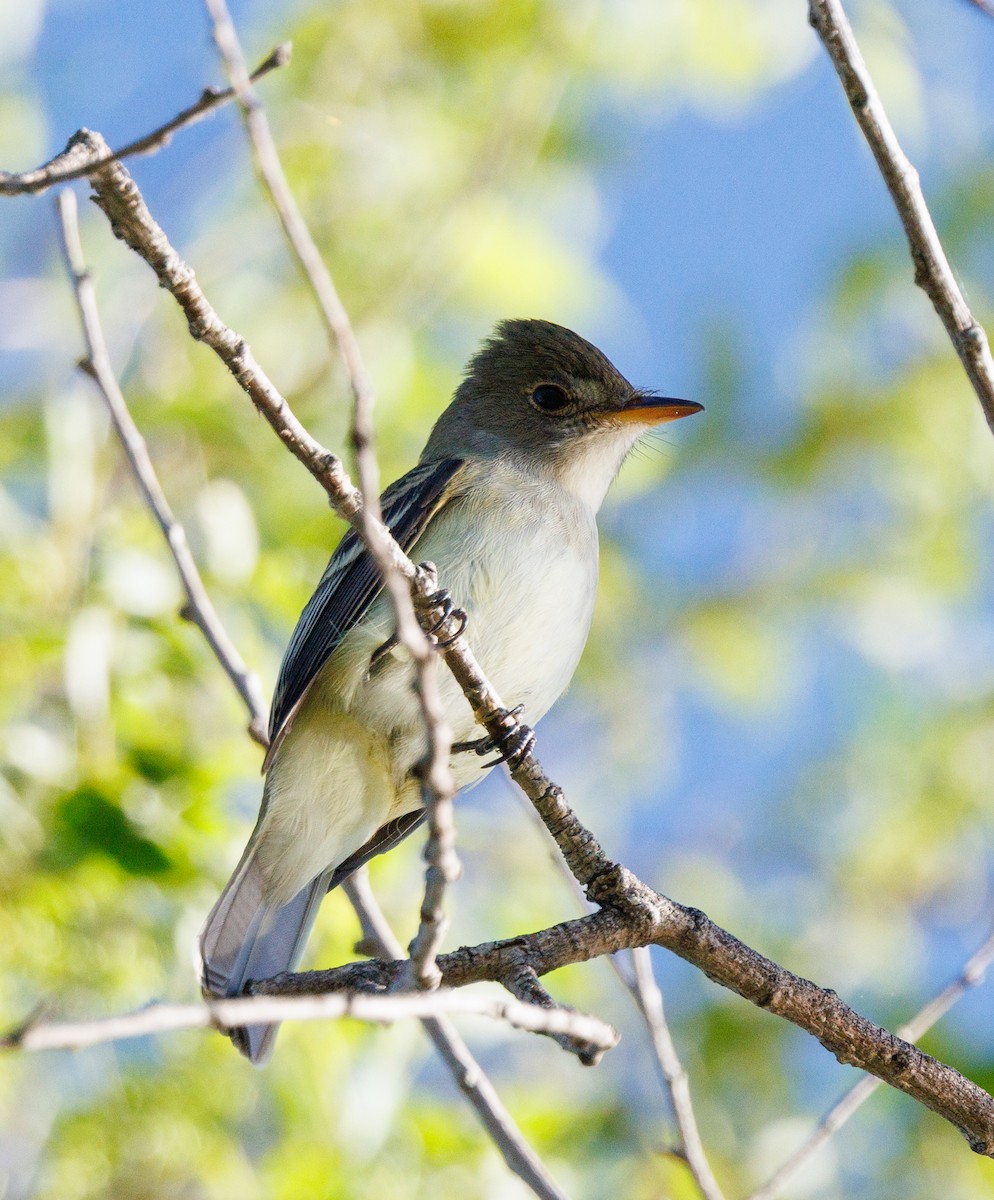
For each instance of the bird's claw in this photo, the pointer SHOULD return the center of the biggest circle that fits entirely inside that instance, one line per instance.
(381, 652)
(440, 600)
(513, 745)
(443, 601)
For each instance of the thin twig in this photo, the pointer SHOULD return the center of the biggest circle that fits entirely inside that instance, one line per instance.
(972, 975)
(693, 936)
(77, 162)
(641, 985)
(442, 862)
(465, 1070)
(266, 1010)
(97, 365)
(437, 786)
(932, 270)
(522, 982)
(333, 313)
(675, 1080)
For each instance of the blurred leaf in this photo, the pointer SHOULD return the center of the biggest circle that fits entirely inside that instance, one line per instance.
(86, 822)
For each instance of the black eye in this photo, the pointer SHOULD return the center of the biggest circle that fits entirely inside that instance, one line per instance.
(550, 397)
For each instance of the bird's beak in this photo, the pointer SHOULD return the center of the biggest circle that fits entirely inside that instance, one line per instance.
(646, 409)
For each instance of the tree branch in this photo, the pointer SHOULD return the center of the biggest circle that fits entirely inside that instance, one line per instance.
(266, 1010)
(643, 917)
(467, 1072)
(675, 1080)
(437, 785)
(77, 160)
(632, 914)
(640, 984)
(97, 365)
(932, 270)
(972, 975)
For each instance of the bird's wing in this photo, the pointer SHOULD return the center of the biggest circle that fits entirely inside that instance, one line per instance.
(349, 585)
(384, 839)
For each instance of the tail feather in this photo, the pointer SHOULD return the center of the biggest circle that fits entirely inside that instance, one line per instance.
(244, 939)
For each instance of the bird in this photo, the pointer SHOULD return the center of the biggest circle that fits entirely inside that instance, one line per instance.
(503, 502)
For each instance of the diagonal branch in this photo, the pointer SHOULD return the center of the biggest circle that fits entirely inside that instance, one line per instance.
(633, 915)
(932, 270)
(676, 1083)
(97, 365)
(972, 975)
(641, 985)
(467, 1072)
(118, 195)
(77, 161)
(437, 785)
(469, 1076)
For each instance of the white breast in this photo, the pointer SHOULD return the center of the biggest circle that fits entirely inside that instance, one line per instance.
(520, 556)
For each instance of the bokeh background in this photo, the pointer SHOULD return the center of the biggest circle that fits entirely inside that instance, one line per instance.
(784, 715)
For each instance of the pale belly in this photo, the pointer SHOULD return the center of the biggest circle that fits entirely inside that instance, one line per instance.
(526, 577)
(527, 584)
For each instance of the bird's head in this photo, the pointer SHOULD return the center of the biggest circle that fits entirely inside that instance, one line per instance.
(551, 401)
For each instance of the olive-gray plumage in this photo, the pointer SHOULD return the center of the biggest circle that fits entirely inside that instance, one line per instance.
(503, 501)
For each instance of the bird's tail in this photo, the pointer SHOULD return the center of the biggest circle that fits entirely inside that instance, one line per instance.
(244, 938)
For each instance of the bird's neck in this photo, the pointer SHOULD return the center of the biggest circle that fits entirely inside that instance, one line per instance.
(588, 468)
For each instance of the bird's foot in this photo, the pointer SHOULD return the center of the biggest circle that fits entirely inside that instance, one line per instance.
(441, 602)
(512, 745)
(381, 652)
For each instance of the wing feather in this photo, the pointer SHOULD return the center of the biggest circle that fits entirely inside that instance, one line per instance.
(384, 839)
(349, 585)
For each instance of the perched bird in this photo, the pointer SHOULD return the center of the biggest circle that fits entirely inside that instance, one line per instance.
(503, 501)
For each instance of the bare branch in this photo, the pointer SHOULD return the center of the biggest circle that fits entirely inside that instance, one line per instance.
(465, 1070)
(443, 866)
(623, 924)
(675, 1081)
(521, 981)
(266, 1010)
(333, 314)
(437, 785)
(97, 365)
(640, 983)
(932, 270)
(971, 976)
(78, 159)
(122, 202)
(469, 1076)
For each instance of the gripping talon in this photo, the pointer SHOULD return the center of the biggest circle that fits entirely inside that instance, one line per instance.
(513, 748)
(462, 617)
(487, 744)
(381, 652)
(513, 745)
(442, 600)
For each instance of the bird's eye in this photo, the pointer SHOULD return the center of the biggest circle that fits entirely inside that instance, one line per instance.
(550, 397)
